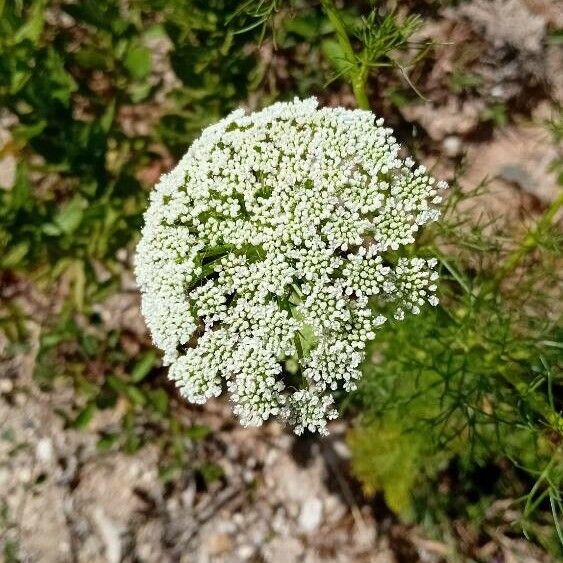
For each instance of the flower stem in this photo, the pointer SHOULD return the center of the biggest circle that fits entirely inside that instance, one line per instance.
(534, 400)
(357, 74)
(530, 242)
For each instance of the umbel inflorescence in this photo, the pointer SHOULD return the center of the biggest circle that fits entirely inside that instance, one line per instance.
(266, 257)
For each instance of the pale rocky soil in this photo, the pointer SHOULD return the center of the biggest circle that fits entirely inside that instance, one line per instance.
(281, 499)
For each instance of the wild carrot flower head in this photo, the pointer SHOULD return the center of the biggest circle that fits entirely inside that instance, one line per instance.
(266, 257)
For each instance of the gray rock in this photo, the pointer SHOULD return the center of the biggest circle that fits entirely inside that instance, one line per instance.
(311, 514)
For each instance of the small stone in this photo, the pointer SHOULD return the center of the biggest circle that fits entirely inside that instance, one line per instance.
(279, 522)
(271, 457)
(284, 550)
(44, 450)
(238, 519)
(245, 552)
(257, 532)
(6, 386)
(226, 526)
(25, 475)
(342, 449)
(452, 146)
(311, 514)
(20, 399)
(364, 536)
(292, 509)
(334, 508)
(109, 532)
(218, 544)
(8, 164)
(188, 496)
(121, 254)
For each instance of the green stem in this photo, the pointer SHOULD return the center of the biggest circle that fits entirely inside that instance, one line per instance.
(359, 88)
(534, 400)
(529, 243)
(358, 74)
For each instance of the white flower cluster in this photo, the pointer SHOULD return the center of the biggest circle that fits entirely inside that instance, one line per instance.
(268, 249)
